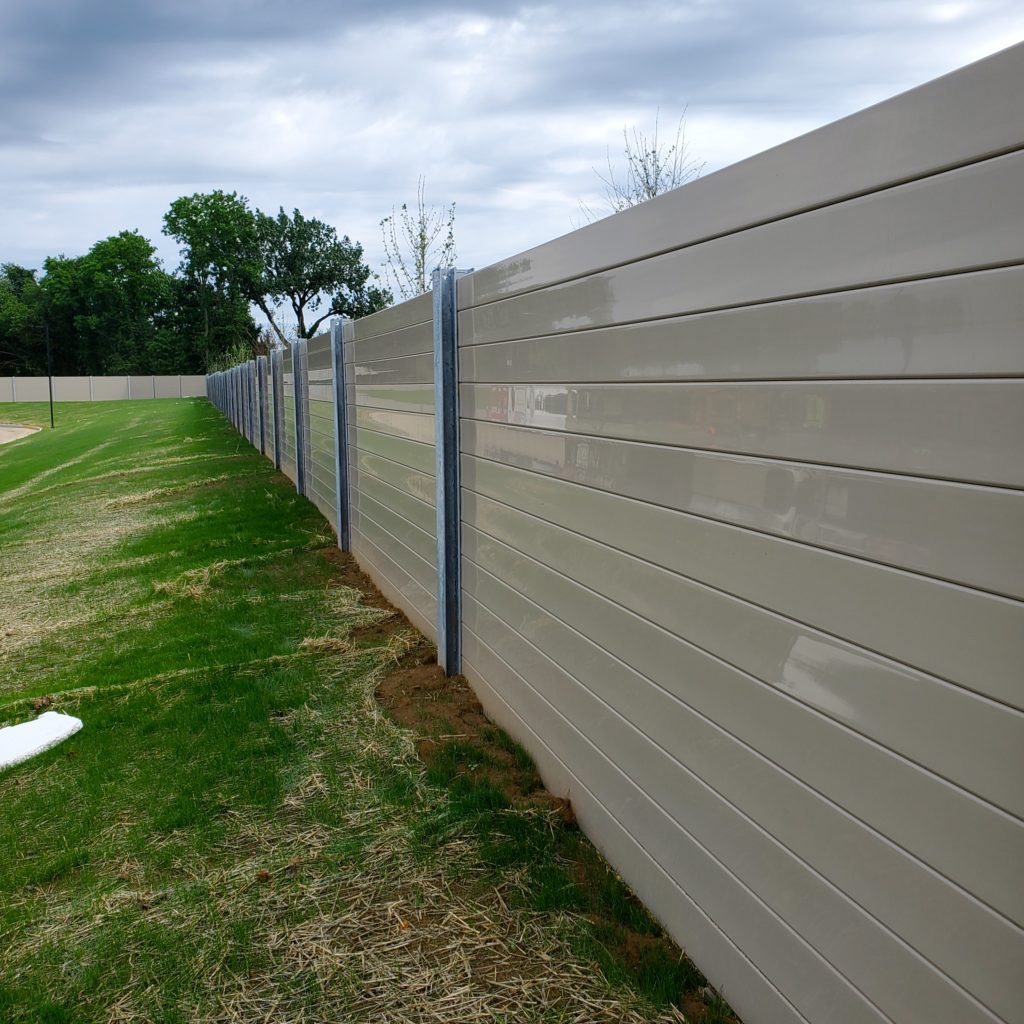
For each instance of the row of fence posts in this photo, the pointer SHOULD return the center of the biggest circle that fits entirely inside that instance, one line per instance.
(241, 394)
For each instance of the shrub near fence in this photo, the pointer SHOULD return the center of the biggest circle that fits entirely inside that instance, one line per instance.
(728, 534)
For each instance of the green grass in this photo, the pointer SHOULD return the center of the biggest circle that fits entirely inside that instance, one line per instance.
(238, 833)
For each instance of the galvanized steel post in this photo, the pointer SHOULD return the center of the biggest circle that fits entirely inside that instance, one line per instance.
(446, 454)
(340, 432)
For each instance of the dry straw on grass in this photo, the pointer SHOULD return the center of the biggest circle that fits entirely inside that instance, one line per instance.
(155, 493)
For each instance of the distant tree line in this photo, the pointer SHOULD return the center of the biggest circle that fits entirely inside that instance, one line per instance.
(115, 310)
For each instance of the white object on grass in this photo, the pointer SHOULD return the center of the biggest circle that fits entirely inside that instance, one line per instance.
(20, 742)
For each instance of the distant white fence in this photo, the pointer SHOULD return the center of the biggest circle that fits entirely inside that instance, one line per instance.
(102, 389)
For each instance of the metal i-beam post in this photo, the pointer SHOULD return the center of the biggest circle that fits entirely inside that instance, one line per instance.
(446, 454)
(338, 331)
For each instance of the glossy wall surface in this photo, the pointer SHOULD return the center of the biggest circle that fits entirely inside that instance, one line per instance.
(269, 406)
(288, 465)
(743, 553)
(321, 471)
(390, 399)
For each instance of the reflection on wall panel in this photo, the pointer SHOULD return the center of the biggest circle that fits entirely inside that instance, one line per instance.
(955, 429)
(321, 483)
(390, 372)
(288, 466)
(743, 493)
(915, 523)
(965, 325)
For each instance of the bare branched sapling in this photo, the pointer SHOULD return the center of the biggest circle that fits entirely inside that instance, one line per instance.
(417, 241)
(649, 168)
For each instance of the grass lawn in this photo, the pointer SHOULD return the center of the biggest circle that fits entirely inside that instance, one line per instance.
(239, 832)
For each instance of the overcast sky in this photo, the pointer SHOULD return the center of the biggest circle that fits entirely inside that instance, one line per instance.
(110, 109)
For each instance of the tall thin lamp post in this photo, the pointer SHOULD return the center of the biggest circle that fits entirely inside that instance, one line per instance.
(49, 368)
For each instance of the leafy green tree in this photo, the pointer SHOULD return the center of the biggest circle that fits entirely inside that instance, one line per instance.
(221, 268)
(22, 346)
(315, 271)
(108, 309)
(243, 254)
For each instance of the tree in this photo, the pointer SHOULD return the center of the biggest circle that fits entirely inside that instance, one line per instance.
(417, 242)
(305, 263)
(221, 267)
(22, 350)
(107, 310)
(650, 167)
(243, 255)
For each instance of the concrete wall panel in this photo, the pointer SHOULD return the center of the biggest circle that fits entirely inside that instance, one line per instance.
(322, 472)
(193, 385)
(109, 389)
(741, 515)
(31, 389)
(142, 386)
(288, 463)
(390, 373)
(72, 389)
(964, 325)
(954, 429)
(167, 387)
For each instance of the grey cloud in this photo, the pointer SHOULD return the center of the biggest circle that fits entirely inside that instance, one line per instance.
(109, 110)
